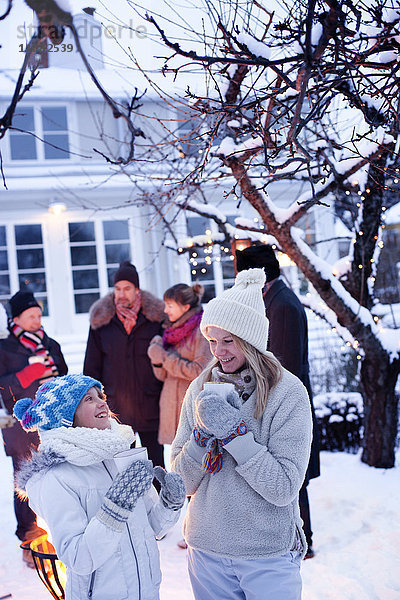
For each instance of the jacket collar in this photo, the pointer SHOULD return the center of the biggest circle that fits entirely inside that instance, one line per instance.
(103, 310)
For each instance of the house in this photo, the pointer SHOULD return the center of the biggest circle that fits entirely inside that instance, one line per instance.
(67, 216)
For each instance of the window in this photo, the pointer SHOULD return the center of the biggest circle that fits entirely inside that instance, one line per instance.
(85, 275)
(116, 245)
(22, 252)
(55, 132)
(96, 248)
(30, 262)
(4, 269)
(47, 123)
(211, 266)
(23, 145)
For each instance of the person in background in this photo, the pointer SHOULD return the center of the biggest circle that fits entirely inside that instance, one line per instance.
(242, 450)
(28, 356)
(288, 341)
(122, 324)
(103, 522)
(179, 356)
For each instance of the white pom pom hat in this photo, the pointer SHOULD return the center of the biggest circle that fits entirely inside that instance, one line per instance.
(240, 310)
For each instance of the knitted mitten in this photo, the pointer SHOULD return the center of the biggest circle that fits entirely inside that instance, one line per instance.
(218, 422)
(219, 416)
(172, 491)
(155, 351)
(30, 373)
(124, 493)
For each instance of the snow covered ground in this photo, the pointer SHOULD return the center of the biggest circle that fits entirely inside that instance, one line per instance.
(356, 520)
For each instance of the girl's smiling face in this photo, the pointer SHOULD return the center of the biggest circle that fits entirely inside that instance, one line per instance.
(222, 346)
(93, 411)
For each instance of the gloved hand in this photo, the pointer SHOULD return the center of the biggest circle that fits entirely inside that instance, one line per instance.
(173, 492)
(31, 373)
(132, 483)
(124, 493)
(155, 351)
(219, 416)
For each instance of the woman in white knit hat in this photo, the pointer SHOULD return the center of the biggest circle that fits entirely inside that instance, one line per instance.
(242, 450)
(103, 520)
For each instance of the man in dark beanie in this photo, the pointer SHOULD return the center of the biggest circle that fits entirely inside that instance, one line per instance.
(121, 327)
(288, 341)
(27, 358)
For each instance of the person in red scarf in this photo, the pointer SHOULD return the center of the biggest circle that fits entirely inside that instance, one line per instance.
(122, 323)
(180, 355)
(28, 357)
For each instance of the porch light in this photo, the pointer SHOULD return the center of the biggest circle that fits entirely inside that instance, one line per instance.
(57, 208)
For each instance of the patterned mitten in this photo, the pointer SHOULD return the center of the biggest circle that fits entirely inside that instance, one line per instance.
(124, 493)
(173, 492)
(219, 416)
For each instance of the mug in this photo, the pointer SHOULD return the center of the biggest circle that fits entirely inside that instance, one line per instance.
(125, 458)
(220, 388)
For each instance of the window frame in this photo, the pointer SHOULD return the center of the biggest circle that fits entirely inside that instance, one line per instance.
(39, 134)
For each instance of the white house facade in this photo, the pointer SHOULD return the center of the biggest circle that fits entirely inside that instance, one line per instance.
(68, 218)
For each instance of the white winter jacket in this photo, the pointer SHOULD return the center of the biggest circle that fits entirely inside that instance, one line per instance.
(102, 563)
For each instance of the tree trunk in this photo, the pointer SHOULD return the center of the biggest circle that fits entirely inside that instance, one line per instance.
(378, 380)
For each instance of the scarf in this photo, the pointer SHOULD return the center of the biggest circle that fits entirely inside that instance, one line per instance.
(183, 329)
(128, 316)
(33, 341)
(83, 446)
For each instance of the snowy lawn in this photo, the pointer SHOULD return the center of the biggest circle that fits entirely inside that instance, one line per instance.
(356, 520)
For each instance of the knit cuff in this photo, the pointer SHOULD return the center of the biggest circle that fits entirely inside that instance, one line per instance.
(112, 515)
(243, 447)
(196, 452)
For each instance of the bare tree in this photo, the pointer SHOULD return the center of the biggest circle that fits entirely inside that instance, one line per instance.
(310, 95)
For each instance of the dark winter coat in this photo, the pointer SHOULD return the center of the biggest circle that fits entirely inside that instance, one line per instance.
(288, 341)
(13, 358)
(121, 363)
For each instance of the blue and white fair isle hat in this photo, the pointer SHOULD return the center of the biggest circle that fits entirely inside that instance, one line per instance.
(55, 402)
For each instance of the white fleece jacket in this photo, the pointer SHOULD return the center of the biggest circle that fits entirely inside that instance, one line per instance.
(249, 509)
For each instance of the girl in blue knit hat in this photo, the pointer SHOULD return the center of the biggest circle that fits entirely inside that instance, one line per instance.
(103, 522)
(242, 448)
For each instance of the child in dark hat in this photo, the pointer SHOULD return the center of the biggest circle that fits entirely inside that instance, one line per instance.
(103, 522)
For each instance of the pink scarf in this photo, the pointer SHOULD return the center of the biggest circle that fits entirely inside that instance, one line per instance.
(173, 335)
(128, 316)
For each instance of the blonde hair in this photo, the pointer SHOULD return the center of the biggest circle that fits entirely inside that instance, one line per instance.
(266, 368)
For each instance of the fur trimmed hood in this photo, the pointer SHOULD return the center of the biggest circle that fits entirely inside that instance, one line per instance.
(40, 461)
(103, 310)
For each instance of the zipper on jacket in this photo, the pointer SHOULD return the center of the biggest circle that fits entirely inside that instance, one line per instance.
(91, 584)
(133, 548)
